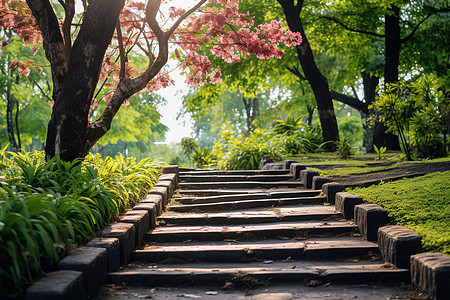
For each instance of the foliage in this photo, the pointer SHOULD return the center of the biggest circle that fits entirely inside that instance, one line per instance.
(203, 158)
(345, 148)
(48, 207)
(419, 113)
(244, 153)
(189, 145)
(421, 204)
(306, 140)
(289, 126)
(380, 151)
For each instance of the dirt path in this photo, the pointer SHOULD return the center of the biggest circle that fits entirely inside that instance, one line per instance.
(404, 170)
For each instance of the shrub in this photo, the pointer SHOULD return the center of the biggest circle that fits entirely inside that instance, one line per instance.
(345, 149)
(244, 153)
(49, 207)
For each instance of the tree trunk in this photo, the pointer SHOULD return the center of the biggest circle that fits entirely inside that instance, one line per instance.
(392, 45)
(11, 102)
(69, 122)
(251, 111)
(315, 78)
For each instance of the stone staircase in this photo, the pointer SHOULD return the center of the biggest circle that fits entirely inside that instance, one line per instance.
(260, 227)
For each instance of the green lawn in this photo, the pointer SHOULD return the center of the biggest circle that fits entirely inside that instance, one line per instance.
(421, 204)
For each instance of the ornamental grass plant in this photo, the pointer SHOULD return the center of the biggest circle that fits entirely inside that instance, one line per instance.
(49, 207)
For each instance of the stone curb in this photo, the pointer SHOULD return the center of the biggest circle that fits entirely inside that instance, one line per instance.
(430, 273)
(345, 204)
(330, 190)
(397, 244)
(295, 170)
(83, 272)
(306, 176)
(370, 217)
(318, 182)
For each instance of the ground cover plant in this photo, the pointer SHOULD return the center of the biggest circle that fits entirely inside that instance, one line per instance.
(49, 207)
(421, 204)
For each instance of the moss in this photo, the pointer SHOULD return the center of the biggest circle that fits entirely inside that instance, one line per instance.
(421, 204)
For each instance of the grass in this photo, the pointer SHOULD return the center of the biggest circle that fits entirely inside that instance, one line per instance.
(421, 204)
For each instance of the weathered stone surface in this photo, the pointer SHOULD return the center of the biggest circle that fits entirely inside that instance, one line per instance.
(318, 182)
(92, 262)
(172, 177)
(151, 208)
(141, 221)
(345, 203)
(330, 189)
(306, 176)
(60, 285)
(126, 233)
(112, 250)
(154, 198)
(430, 273)
(296, 168)
(369, 217)
(397, 244)
(165, 184)
(265, 159)
(162, 191)
(287, 164)
(273, 166)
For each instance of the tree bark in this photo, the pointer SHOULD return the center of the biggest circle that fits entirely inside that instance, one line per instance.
(69, 122)
(315, 78)
(251, 111)
(392, 45)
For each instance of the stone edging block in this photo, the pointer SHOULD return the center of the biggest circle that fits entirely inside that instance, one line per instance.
(92, 262)
(306, 176)
(369, 217)
(330, 189)
(172, 170)
(295, 170)
(287, 164)
(318, 182)
(165, 184)
(151, 208)
(172, 177)
(430, 273)
(112, 250)
(126, 233)
(154, 198)
(65, 284)
(141, 221)
(163, 192)
(345, 204)
(397, 244)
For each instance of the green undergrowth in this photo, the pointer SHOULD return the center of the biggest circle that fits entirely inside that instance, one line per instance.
(421, 204)
(49, 207)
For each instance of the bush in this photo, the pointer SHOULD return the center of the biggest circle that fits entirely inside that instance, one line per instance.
(49, 207)
(244, 153)
(419, 112)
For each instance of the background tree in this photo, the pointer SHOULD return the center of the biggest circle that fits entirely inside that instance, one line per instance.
(77, 66)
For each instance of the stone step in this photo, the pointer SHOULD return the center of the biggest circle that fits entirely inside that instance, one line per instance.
(216, 274)
(318, 248)
(234, 172)
(235, 178)
(224, 192)
(238, 185)
(282, 230)
(253, 216)
(249, 196)
(244, 204)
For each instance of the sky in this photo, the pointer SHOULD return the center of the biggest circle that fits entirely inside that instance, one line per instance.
(173, 94)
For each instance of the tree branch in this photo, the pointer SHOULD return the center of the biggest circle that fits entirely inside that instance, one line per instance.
(432, 12)
(296, 72)
(352, 29)
(351, 101)
(123, 59)
(69, 9)
(184, 16)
